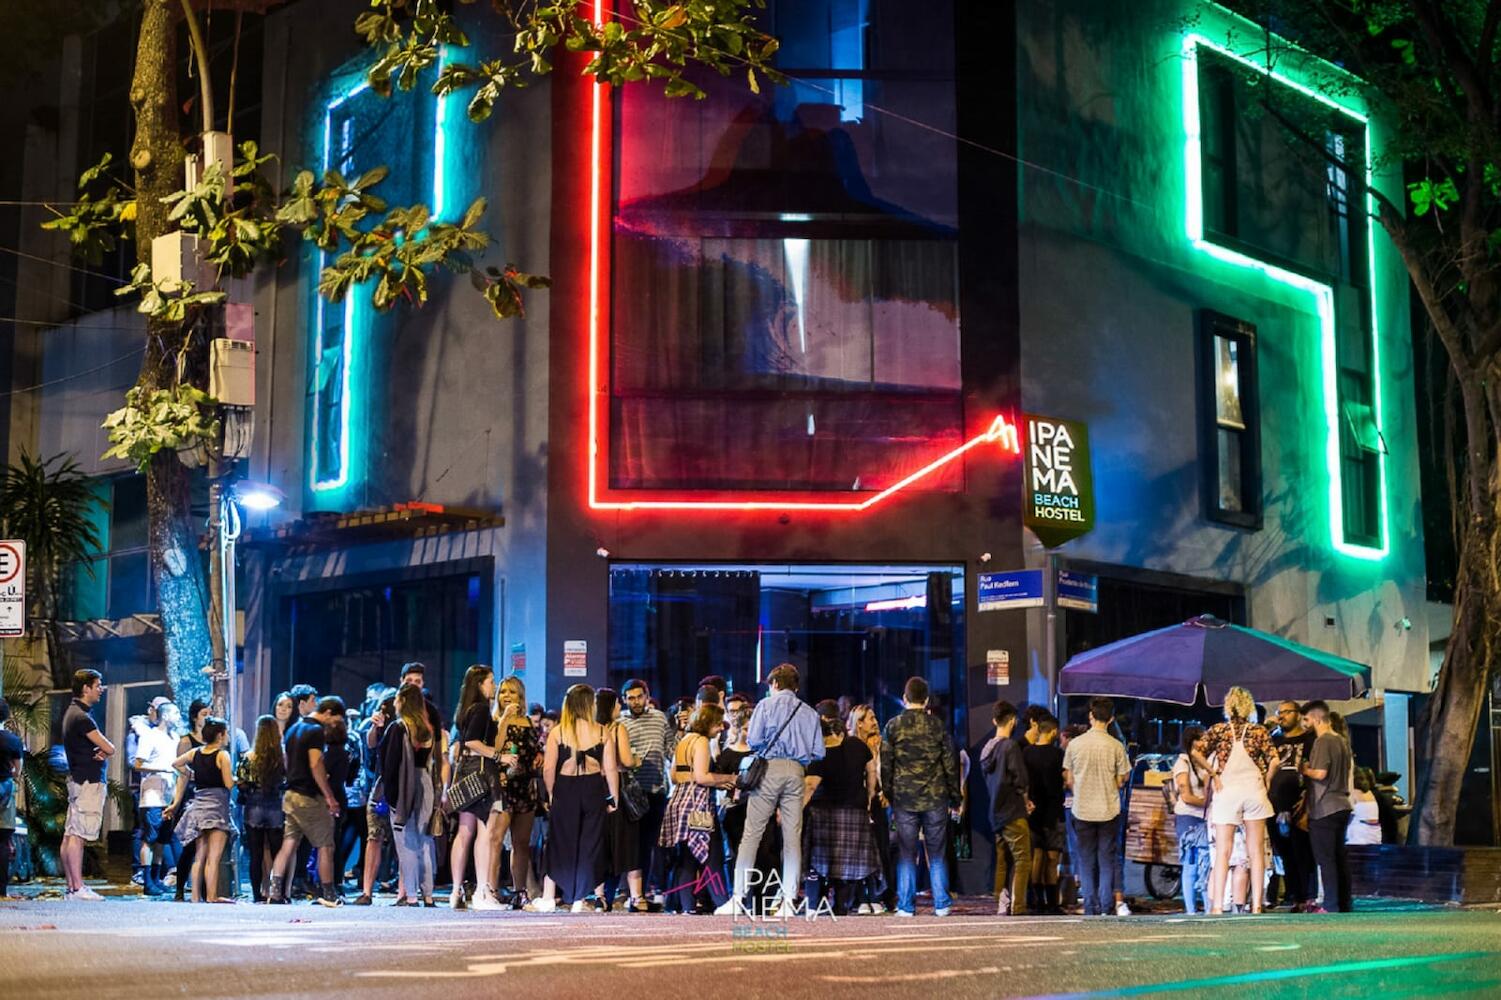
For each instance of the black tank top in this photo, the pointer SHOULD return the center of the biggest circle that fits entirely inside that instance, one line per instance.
(206, 773)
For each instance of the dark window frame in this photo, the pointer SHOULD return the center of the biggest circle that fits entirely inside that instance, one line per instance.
(1212, 327)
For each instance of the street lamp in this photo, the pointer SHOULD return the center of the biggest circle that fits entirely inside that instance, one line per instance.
(257, 496)
(250, 495)
(230, 498)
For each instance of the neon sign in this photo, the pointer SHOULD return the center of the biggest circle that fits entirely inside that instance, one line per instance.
(1322, 293)
(355, 321)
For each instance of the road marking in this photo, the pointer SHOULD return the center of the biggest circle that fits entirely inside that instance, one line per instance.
(916, 977)
(678, 953)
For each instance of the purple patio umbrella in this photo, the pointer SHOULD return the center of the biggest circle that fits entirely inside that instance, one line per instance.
(1173, 663)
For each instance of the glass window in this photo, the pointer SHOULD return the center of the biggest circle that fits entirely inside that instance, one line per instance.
(1227, 383)
(342, 640)
(358, 130)
(1232, 443)
(785, 279)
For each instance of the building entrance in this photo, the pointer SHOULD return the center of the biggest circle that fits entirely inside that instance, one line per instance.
(856, 631)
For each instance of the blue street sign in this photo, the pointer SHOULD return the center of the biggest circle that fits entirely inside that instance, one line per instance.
(1017, 588)
(1079, 591)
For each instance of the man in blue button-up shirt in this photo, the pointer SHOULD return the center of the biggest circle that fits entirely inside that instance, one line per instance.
(785, 732)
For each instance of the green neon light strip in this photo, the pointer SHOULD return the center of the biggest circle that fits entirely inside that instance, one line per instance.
(442, 142)
(1307, 973)
(1322, 293)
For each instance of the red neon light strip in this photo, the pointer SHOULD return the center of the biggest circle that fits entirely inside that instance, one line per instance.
(1001, 431)
(595, 169)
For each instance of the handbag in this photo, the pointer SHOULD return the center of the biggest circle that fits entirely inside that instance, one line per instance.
(633, 798)
(470, 788)
(753, 767)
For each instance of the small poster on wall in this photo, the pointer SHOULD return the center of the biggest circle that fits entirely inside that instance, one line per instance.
(998, 666)
(575, 658)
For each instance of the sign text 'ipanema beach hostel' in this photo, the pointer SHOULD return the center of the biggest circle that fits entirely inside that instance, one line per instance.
(1058, 504)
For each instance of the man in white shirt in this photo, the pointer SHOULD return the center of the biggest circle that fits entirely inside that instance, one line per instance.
(156, 748)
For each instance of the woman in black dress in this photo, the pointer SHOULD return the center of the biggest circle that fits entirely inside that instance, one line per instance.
(582, 774)
(191, 740)
(838, 792)
(622, 834)
(519, 743)
(476, 724)
(207, 817)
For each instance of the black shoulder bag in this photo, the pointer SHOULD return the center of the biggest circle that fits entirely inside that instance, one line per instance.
(753, 767)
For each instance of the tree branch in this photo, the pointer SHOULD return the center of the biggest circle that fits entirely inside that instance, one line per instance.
(1443, 324)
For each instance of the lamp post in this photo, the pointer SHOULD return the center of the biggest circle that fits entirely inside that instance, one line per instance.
(253, 496)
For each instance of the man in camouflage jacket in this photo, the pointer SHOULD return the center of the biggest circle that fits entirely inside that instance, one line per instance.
(921, 775)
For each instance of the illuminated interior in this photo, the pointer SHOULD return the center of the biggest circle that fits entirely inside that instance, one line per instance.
(857, 630)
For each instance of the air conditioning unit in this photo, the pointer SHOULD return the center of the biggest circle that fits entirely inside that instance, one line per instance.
(231, 374)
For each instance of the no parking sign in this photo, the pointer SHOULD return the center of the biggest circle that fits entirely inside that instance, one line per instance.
(12, 588)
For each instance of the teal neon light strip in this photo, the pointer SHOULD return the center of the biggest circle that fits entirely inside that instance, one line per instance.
(1322, 293)
(346, 400)
(353, 312)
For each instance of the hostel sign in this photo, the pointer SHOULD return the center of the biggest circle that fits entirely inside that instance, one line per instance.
(1058, 504)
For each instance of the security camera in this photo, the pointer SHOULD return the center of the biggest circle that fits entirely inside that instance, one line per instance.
(602, 552)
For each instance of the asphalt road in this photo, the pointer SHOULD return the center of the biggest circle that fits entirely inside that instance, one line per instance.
(135, 948)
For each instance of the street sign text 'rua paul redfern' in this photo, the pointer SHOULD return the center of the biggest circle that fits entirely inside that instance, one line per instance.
(1058, 504)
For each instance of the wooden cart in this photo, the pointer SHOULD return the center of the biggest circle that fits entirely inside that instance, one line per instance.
(1151, 835)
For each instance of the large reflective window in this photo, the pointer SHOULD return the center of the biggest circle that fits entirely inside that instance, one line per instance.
(784, 280)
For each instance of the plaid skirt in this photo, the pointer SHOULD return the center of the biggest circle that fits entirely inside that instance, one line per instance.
(839, 844)
(689, 800)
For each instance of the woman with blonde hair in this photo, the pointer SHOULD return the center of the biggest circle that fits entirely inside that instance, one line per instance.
(1240, 755)
(581, 769)
(876, 894)
(519, 744)
(406, 775)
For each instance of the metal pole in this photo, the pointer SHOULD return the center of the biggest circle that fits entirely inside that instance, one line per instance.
(229, 532)
(1050, 640)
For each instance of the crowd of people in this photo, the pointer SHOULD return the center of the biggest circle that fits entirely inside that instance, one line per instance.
(718, 805)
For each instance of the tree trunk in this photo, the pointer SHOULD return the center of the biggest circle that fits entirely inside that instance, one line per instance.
(157, 158)
(1454, 709)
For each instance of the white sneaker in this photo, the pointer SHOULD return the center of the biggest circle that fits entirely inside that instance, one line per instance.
(786, 910)
(577, 907)
(878, 909)
(730, 908)
(904, 913)
(84, 895)
(943, 912)
(863, 910)
(485, 901)
(1003, 904)
(543, 905)
(1122, 910)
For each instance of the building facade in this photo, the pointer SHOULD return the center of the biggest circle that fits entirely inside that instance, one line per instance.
(772, 407)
